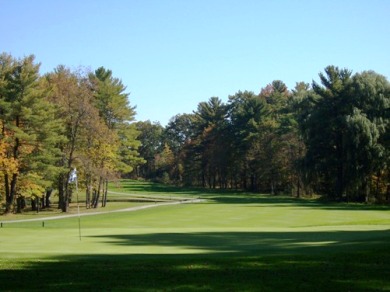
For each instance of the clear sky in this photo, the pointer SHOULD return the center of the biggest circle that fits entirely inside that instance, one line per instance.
(173, 54)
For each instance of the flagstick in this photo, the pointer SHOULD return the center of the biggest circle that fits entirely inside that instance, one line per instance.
(78, 207)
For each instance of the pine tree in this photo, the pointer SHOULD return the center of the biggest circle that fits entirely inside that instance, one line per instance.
(30, 131)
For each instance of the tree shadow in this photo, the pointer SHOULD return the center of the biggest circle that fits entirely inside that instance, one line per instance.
(353, 206)
(230, 196)
(232, 261)
(279, 201)
(153, 187)
(255, 242)
(245, 198)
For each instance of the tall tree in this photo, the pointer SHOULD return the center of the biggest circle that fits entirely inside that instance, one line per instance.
(30, 131)
(209, 144)
(152, 143)
(368, 127)
(325, 137)
(70, 92)
(111, 98)
(179, 131)
(178, 134)
(115, 111)
(345, 132)
(276, 96)
(247, 113)
(300, 106)
(114, 107)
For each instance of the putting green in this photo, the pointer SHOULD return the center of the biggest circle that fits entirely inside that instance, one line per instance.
(210, 227)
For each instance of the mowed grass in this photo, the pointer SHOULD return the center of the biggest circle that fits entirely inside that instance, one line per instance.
(228, 242)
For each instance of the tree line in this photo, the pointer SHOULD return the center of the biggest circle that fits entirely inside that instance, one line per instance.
(329, 138)
(54, 123)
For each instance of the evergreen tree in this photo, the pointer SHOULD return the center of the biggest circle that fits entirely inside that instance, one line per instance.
(209, 146)
(120, 151)
(368, 128)
(30, 130)
(247, 113)
(345, 132)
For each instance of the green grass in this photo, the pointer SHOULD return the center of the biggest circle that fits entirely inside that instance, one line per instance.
(231, 241)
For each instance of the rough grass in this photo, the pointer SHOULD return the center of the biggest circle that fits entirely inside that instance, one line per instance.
(230, 242)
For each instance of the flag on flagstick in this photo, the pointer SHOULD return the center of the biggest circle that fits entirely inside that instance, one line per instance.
(73, 176)
(72, 179)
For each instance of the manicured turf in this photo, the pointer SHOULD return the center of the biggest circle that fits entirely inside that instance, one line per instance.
(229, 242)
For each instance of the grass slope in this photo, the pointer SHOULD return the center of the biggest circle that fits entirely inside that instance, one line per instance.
(229, 242)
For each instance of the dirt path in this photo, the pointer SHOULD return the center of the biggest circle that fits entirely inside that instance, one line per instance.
(131, 209)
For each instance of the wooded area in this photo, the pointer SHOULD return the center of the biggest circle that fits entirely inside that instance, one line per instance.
(329, 138)
(53, 123)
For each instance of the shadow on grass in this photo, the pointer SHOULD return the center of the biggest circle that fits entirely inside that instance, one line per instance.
(225, 196)
(228, 261)
(358, 271)
(240, 197)
(152, 187)
(256, 242)
(245, 198)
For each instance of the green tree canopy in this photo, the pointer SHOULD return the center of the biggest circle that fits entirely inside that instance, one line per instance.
(30, 130)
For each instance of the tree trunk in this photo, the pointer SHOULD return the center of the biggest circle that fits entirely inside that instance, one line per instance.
(96, 202)
(88, 192)
(43, 201)
(243, 180)
(63, 201)
(47, 198)
(10, 192)
(94, 196)
(20, 204)
(298, 188)
(35, 204)
(252, 179)
(105, 190)
(8, 202)
(38, 203)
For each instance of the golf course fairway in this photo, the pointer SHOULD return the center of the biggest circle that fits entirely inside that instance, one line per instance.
(218, 242)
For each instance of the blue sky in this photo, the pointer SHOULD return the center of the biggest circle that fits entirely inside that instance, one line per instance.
(173, 54)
